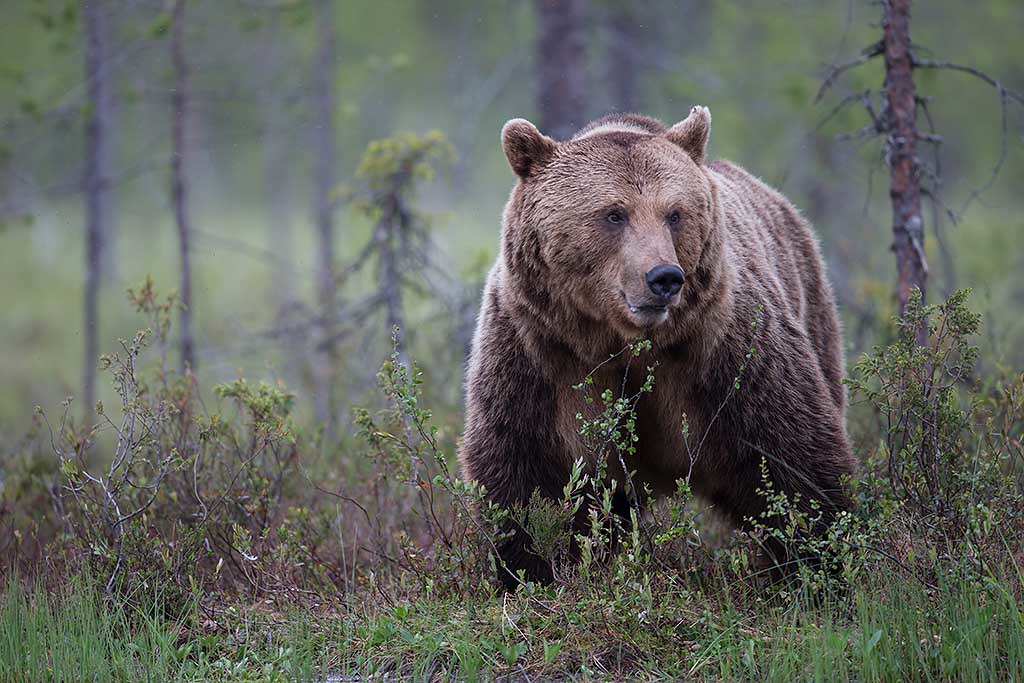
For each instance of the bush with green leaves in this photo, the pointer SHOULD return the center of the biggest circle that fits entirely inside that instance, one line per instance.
(947, 470)
(428, 523)
(161, 492)
(230, 514)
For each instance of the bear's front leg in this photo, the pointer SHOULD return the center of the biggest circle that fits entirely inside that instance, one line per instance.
(783, 414)
(511, 445)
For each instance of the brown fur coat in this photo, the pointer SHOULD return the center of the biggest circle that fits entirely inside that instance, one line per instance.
(588, 221)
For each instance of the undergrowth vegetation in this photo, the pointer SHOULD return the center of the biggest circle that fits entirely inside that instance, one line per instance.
(178, 539)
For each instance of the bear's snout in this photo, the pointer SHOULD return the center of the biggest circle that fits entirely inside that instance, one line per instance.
(665, 280)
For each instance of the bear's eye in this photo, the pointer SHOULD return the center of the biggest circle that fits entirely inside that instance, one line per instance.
(615, 217)
(675, 218)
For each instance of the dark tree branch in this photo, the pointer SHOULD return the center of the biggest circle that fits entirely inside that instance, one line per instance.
(977, 73)
(864, 96)
(1005, 95)
(910, 177)
(837, 70)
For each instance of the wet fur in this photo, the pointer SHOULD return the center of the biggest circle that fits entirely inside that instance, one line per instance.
(551, 313)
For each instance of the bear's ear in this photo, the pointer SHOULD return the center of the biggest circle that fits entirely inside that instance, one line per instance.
(526, 148)
(692, 133)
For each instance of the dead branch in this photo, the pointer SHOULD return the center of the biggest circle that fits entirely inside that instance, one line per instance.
(837, 70)
(977, 73)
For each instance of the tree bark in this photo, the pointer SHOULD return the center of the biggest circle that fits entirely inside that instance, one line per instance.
(324, 139)
(96, 183)
(901, 144)
(560, 66)
(179, 182)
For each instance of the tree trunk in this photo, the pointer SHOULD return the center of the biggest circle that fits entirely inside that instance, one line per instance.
(324, 139)
(179, 184)
(622, 70)
(560, 66)
(905, 187)
(392, 231)
(96, 184)
(276, 144)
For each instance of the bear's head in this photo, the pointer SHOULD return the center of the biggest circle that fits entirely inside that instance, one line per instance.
(613, 223)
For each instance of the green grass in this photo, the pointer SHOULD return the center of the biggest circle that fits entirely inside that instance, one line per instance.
(626, 616)
(76, 635)
(888, 629)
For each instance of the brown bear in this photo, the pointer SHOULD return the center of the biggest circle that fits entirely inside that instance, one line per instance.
(628, 231)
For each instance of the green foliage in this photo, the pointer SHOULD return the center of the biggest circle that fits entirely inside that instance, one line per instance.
(185, 499)
(273, 556)
(72, 634)
(411, 462)
(944, 480)
(395, 164)
(269, 407)
(819, 559)
(615, 427)
(230, 535)
(392, 169)
(932, 456)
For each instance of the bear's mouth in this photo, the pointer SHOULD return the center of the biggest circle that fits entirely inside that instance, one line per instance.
(646, 314)
(646, 308)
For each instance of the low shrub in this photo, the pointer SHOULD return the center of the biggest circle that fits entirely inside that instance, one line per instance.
(231, 516)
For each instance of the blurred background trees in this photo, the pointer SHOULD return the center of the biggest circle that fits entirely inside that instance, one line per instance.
(179, 181)
(96, 181)
(561, 91)
(325, 101)
(271, 103)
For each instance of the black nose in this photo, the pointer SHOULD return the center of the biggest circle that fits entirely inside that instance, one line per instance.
(665, 281)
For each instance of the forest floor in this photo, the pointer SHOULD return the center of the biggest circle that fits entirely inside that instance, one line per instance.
(886, 627)
(253, 560)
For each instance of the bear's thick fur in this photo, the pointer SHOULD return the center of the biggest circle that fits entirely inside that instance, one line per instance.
(587, 223)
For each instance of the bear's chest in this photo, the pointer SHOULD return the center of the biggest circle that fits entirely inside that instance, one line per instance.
(664, 422)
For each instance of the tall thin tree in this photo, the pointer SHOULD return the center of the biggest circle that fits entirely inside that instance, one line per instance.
(276, 143)
(901, 148)
(560, 65)
(911, 177)
(179, 180)
(400, 246)
(622, 70)
(324, 103)
(278, 147)
(96, 183)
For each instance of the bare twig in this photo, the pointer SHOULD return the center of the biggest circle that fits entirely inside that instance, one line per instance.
(977, 73)
(837, 70)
